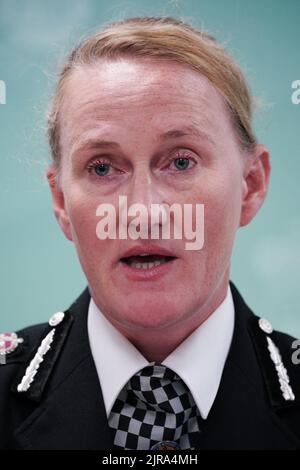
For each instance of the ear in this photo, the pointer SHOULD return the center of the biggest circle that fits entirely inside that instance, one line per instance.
(59, 207)
(255, 183)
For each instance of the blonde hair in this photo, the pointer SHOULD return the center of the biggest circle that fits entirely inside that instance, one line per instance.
(161, 38)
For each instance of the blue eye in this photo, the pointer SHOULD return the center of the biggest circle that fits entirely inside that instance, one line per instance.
(182, 163)
(101, 169)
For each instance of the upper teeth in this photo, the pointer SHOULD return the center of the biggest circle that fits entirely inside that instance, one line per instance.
(147, 265)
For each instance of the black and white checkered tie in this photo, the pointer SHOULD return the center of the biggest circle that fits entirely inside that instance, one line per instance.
(154, 406)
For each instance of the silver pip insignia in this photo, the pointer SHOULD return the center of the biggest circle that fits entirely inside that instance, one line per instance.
(56, 318)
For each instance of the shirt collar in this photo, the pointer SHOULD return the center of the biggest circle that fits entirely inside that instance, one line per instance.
(199, 360)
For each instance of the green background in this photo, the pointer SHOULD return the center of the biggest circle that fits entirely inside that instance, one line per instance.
(39, 270)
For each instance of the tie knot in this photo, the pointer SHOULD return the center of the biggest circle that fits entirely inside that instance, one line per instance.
(158, 388)
(155, 408)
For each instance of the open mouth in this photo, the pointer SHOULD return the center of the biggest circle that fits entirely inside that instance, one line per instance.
(145, 261)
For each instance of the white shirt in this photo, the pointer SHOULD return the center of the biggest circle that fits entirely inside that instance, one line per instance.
(199, 360)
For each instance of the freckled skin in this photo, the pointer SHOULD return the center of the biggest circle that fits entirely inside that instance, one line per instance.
(131, 102)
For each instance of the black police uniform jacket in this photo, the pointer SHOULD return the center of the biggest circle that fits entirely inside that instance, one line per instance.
(63, 407)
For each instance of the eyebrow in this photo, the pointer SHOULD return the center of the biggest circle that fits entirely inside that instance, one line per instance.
(188, 130)
(168, 135)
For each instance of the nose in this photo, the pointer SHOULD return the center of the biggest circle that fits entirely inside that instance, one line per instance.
(146, 210)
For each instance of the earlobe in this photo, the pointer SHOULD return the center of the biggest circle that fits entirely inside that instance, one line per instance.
(59, 207)
(255, 183)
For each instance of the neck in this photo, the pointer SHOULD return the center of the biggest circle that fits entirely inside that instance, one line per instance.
(157, 344)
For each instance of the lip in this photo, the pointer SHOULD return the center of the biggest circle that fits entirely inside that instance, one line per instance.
(156, 272)
(149, 249)
(150, 274)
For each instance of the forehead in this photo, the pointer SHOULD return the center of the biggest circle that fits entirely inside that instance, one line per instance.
(132, 92)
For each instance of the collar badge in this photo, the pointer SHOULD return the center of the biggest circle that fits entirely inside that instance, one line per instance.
(9, 343)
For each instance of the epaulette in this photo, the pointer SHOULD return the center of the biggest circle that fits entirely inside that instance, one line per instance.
(33, 377)
(278, 357)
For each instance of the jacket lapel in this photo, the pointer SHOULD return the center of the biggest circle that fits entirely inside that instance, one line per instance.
(71, 415)
(242, 416)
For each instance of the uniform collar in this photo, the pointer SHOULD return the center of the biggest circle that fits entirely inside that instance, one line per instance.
(199, 360)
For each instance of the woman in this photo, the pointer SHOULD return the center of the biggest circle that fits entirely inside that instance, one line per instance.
(160, 351)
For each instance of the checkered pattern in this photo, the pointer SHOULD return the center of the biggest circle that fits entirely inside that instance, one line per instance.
(155, 405)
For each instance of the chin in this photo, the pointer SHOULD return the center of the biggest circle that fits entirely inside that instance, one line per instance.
(158, 317)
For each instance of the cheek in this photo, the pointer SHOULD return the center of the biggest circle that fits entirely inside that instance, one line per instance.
(81, 208)
(223, 210)
(222, 207)
(222, 199)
